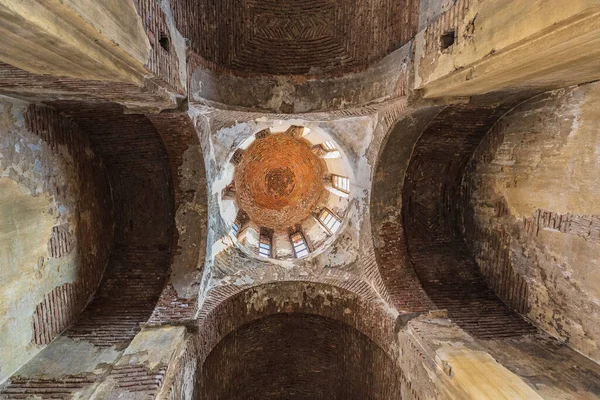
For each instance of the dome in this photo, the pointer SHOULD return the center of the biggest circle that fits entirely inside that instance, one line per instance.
(288, 192)
(279, 181)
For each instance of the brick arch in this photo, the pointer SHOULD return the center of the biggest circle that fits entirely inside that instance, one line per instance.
(140, 177)
(433, 201)
(390, 258)
(228, 307)
(431, 206)
(179, 298)
(141, 181)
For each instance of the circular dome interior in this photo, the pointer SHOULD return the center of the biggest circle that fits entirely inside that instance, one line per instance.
(279, 181)
(288, 194)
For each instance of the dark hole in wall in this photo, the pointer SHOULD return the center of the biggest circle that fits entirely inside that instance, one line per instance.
(447, 39)
(164, 42)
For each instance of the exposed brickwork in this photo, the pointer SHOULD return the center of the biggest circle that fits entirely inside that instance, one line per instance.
(431, 200)
(279, 181)
(585, 226)
(229, 307)
(296, 37)
(138, 379)
(171, 308)
(58, 310)
(298, 356)
(399, 133)
(161, 86)
(529, 217)
(93, 235)
(163, 57)
(61, 242)
(45, 388)
(400, 279)
(139, 169)
(447, 22)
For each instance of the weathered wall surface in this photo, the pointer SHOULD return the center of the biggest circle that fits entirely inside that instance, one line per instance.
(137, 164)
(55, 228)
(385, 80)
(532, 213)
(481, 46)
(441, 361)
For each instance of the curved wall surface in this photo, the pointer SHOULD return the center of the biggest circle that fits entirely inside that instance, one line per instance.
(56, 228)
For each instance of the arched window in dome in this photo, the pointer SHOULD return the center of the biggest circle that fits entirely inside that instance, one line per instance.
(299, 244)
(328, 146)
(265, 242)
(329, 221)
(327, 150)
(341, 183)
(235, 227)
(241, 219)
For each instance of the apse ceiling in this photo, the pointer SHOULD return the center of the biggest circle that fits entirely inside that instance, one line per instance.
(296, 37)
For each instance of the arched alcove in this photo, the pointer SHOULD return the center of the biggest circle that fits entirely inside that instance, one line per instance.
(298, 356)
(275, 333)
(433, 204)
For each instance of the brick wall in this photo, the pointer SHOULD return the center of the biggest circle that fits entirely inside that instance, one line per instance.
(298, 356)
(394, 268)
(163, 63)
(138, 166)
(139, 173)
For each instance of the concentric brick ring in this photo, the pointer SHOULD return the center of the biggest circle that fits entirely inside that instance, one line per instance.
(279, 181)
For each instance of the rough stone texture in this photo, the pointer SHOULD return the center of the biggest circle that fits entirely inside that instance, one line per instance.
(296, 37)
(56, 230)
(531, 219)
(268, 359)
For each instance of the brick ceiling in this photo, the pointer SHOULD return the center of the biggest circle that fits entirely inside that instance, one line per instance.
(279, 181)
(296, 37)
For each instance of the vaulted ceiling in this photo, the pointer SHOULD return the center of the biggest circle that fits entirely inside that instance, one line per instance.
(296, 37)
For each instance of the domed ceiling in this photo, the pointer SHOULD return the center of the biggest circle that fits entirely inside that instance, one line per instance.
(287, 192)
(297, 37)
(279, 181)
